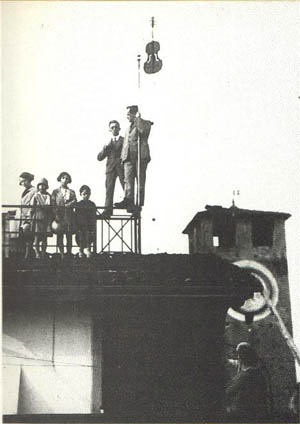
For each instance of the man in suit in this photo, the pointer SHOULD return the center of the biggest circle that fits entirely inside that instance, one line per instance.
(114, 168)
(138, 129)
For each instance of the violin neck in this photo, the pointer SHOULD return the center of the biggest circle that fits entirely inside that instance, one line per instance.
(152, 26)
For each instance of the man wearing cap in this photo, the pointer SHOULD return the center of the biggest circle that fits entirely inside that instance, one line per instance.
(139, 129)
(114, 168)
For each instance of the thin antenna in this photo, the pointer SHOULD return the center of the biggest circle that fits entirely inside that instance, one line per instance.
(139, 70)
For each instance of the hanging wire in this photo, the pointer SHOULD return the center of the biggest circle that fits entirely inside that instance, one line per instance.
(139, 70)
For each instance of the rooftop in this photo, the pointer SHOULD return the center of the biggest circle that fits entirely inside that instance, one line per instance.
(127, 274)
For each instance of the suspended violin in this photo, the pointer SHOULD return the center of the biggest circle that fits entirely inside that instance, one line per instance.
(153, 63)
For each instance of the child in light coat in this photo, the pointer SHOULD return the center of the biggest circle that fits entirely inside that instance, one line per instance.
(64, 199)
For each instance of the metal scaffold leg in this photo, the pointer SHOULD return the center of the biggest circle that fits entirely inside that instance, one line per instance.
(120, 233)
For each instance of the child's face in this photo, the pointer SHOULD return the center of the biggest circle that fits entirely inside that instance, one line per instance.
(85, 195)
(42, 188)
(64, 181)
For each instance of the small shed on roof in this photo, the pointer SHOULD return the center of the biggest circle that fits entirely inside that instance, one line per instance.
(242, 229)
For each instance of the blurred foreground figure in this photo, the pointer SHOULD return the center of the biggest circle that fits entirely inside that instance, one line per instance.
(248, 395)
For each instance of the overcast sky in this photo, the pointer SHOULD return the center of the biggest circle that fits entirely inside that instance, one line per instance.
(225, 105)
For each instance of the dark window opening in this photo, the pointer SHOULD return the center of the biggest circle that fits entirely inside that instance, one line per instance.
(224, 231)
(262, 231)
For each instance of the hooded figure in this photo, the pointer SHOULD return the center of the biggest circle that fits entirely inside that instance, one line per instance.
(248, 397)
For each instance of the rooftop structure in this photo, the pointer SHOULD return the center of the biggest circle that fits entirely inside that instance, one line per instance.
(253, 240)
(238, 233)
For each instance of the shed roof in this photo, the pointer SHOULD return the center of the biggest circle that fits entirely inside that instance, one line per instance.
(233, 211)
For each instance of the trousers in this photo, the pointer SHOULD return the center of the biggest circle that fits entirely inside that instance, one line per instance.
(110, 183)
(130, 175)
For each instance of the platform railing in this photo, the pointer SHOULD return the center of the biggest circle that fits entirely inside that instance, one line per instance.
(118, 233)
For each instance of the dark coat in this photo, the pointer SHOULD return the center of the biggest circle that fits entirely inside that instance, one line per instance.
(248, 397)
(112, 152)
(85, 215)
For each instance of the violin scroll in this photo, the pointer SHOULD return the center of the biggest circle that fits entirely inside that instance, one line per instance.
(153, 63)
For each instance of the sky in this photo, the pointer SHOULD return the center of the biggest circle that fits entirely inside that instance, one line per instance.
(225, 106)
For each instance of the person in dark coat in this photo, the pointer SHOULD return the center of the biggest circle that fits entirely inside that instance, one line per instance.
(85, 219)
(248, 394)
(114, 168)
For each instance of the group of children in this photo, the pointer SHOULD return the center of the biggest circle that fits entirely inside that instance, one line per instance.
(42, 214)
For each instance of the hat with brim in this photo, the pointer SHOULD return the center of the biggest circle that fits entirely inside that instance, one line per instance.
(43, 181)
(86, 188)
(247, 353)
(27, 176)
(62, 174)
(132, 109)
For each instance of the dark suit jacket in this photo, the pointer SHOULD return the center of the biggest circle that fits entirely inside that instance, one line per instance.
(85, 215)
(141, 128)
(112, 152)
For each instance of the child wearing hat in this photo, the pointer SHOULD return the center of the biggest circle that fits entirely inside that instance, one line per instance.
(42, 216)
(85, 218)
(64, 199)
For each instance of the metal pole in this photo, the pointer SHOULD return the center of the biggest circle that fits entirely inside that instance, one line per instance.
(139, 70)
(122, 243)
(139, 141)
(53, 334)
(95, 238)
(139, 233)
(131, 237)
(101, 235)
(108, 237)
(139, 174)
(136, 247)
